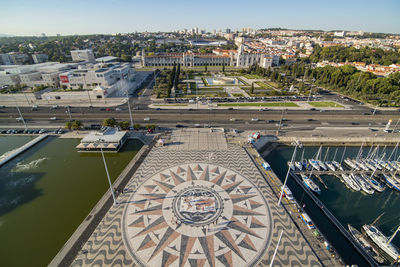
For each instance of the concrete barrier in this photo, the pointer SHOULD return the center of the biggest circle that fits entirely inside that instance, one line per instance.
(21, 149)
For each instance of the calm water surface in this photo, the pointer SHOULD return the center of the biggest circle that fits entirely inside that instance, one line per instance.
(347, 206)
(46, 192)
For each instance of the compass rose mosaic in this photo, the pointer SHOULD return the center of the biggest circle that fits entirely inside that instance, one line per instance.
(197, 215)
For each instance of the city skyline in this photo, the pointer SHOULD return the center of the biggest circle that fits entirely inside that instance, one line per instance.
(108, 17)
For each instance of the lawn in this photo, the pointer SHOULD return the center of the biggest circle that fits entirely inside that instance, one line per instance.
(325, 104)
(268, 104)
(272, 84)
(264, 85)
(166, 105)
(211, 89)
(252, 76)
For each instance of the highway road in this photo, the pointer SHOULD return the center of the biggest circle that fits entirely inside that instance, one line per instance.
(359, 115)
(233, 118)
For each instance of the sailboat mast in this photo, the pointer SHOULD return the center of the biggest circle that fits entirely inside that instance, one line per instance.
(391, 154)
(394, 234)
(343, 154)
(326, 154)
(334, 156)
(373, 223)
(360, 151)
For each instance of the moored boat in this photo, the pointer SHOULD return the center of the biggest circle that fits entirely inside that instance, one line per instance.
(363, 184)
(382, 242)
(310, 184)
(367, 247)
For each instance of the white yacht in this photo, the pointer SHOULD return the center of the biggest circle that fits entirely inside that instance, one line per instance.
(382, 243)
(392, 181)
(350, 182)
(363, 184)
(351, 164)
(365, 244)
(337, 165)
(330, 166)
(322, 165)
(314, 164)
(299, 165)
(310, 184)
(373, 183)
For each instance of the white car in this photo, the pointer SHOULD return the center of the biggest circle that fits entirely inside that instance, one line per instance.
(254, 119)
(53, 118)
(146, 119)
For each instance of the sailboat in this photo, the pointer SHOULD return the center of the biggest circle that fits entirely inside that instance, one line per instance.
(365, 244)
(310, 184)
(382, 242)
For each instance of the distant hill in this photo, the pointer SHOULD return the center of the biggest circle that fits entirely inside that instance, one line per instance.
(6, 35)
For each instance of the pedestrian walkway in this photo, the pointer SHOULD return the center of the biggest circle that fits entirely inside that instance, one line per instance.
(191, 206)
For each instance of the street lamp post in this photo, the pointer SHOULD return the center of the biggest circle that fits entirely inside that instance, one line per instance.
(129, 108)
(87, 90)
(276, 249)
(20, 114)
(69, 113)
(108, 175)
(287, 174)
(19, 111)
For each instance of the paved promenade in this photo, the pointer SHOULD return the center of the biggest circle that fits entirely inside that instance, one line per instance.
(192, 204)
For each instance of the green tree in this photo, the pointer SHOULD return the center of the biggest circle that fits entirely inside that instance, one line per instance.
(252, 88)
(76, 125)
(223, 67)
(136, 126)
(124, 125)
(68, 125)
(110, 122)
(151, 126)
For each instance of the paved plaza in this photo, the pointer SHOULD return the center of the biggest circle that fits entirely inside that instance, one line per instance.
(192, 205)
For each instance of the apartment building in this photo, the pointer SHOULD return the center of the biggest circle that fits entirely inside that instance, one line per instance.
(83, 55)
(100, 75)
(39, 58)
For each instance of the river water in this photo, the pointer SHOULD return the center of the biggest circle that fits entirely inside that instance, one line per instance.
(347, 206)
(46, 192)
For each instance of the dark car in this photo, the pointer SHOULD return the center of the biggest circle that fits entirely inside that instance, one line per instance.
(179, 126)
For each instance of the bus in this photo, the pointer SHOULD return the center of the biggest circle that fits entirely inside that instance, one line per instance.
(307, 220)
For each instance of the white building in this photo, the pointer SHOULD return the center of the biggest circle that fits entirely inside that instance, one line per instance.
(37, 74)
(18, 58)
(83, 55)
(246, 59)
(9, 79)
(100, 75)
(39, 58)
(5, 59)
(237, 59)
(188, 59)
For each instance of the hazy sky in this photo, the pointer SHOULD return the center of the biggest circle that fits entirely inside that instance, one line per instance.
(29, 17)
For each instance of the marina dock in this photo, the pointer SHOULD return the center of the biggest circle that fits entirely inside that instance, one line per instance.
(335, 221)
(12, 154)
